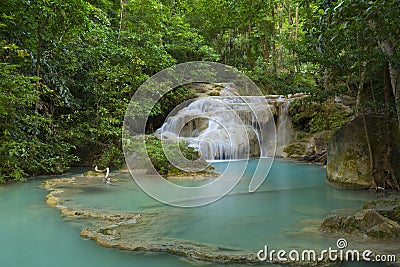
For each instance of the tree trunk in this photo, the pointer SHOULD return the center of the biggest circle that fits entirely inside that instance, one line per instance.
(361, 75)
(265, 42)
(388, 118)
(371, 84)
(250, 58)
(389, 50)
(359, 97)
(387, 91)
(279, 51)
(370, 154)
(348, 83)
(296, 23)
(121, 17)
(273, 41)
(38, 59)
(290, 22)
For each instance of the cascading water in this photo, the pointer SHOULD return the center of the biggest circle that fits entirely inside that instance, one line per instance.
(284, 128)
(222, 127)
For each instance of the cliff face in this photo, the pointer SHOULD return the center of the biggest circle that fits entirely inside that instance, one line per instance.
(348, 163)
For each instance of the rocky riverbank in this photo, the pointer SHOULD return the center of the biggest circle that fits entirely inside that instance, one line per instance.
(378, 220)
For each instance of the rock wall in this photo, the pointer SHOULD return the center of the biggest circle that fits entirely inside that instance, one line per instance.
(348, 164)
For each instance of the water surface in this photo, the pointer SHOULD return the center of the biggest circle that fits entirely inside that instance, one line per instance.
(284, 213)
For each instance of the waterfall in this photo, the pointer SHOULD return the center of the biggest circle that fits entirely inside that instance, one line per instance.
(284, 128)
(233, 127)
(222, 128)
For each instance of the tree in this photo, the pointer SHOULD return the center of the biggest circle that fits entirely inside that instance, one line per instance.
(349, 46)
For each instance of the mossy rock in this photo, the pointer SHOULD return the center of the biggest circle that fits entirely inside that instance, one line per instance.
(348, 153)
(213, 93)
(295, 150)
(301, 135)
(93, 174)
(365, 222)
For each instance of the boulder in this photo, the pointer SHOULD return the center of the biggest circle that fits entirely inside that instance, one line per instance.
(348, 163)
(365, 222)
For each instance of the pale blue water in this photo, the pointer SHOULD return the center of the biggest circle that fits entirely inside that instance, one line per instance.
(279, 214)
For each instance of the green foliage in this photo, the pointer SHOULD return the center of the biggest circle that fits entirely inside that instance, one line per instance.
(112, 156)
(295, 149)
(314, 117)
(68, 68)
(329, 118)
(155, 150)
(29, 143)
(166, 104)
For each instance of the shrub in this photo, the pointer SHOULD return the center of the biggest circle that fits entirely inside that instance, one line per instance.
(159, 161)
(314, 117)
(295, 149)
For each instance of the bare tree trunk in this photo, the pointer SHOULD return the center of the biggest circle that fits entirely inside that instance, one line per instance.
(326, 78)
(359, 96)
(296, 23)
(266, 43)
(373, 92)
(280, 49)
(273, 49)
(361, 76)
(388, 118)
(296, 29)
(370, 154)
(38, 59)
(348, 83)
(360, 86)
(389, 50)
(249, 47)
(290, 22)
(121, 17)
(387, 91)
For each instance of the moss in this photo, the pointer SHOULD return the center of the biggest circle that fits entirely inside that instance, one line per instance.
(295, 149)
(175, 172)
(315, 117)
(214, 93)
(301, 135)
(93, 173)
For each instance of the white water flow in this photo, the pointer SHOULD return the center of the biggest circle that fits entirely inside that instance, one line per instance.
(284, 128)
(223, 128)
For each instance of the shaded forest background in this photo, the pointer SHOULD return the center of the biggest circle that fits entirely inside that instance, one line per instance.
(68, 68)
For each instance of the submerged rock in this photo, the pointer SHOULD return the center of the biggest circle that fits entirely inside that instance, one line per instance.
(93, 174)
(143, 232)
(116, 239)
(52, 199)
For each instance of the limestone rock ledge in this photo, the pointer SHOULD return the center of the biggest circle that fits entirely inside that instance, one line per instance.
(367, 222)
(112, 238)
(143, 232)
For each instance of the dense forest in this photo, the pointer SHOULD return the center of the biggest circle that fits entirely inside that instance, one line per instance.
(68, 68)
